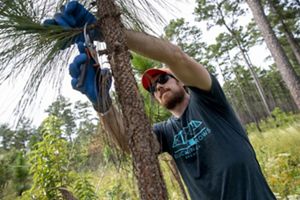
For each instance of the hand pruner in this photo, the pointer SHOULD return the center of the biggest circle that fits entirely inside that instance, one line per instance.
(91, 53)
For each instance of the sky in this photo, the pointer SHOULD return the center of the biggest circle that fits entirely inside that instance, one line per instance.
(11, 90)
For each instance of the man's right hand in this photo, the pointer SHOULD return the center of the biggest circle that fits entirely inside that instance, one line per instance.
(74, 15)
(97, 82)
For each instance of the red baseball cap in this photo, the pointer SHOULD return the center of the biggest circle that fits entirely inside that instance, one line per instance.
(149, 74)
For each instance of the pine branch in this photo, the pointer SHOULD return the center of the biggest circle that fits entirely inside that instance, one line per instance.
(31, 49)
(141, 15)
(28, 47)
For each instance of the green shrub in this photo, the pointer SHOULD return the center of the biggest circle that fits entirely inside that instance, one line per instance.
(283, 119)
(5, 174)
(20, 174)
(48, 162)
(83, 189)
(116, 183)
(117, 192)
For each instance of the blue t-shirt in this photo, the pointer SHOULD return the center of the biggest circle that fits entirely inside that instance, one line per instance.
(212, 151)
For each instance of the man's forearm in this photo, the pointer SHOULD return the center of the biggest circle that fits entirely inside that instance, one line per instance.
(186, 69)
(152, 47)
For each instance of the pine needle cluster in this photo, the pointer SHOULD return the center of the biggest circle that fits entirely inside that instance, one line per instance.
(30, 50)
(39, 53)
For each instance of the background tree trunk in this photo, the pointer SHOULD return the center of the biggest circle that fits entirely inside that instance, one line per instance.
(248, 63)
(288, 34)
(142, 142)
(285, 68)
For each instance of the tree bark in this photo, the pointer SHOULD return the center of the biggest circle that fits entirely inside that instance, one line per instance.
(284, 66)
(288, 34)
(174, 170)
(67, 195)
(142, 142)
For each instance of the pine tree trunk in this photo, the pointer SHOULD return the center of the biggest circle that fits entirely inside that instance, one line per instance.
(142, 142)
(245, 102)
(285, 68)
(293, 43)
(175, 172)
(288, 34)
(67, 195)
(248, 63)
(252, 116)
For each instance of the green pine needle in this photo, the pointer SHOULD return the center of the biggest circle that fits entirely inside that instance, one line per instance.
(30, 49)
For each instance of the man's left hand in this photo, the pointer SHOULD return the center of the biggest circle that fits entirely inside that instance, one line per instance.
(75, 15)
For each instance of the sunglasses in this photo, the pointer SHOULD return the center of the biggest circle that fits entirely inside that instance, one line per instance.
(162, 79)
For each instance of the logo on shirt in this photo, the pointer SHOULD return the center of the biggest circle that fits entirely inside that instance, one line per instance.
(186, 141)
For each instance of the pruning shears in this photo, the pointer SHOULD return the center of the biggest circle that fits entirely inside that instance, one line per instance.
(91, 53)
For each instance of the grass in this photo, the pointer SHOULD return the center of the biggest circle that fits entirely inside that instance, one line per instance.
(278, 152)
(113, 183)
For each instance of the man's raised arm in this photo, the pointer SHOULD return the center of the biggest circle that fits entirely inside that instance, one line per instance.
(184, 67)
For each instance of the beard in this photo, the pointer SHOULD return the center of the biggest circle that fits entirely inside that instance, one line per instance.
(176, 98)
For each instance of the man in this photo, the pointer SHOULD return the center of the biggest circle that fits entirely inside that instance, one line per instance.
(204, 136)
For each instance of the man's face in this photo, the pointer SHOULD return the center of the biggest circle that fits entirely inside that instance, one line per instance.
(167, 90)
